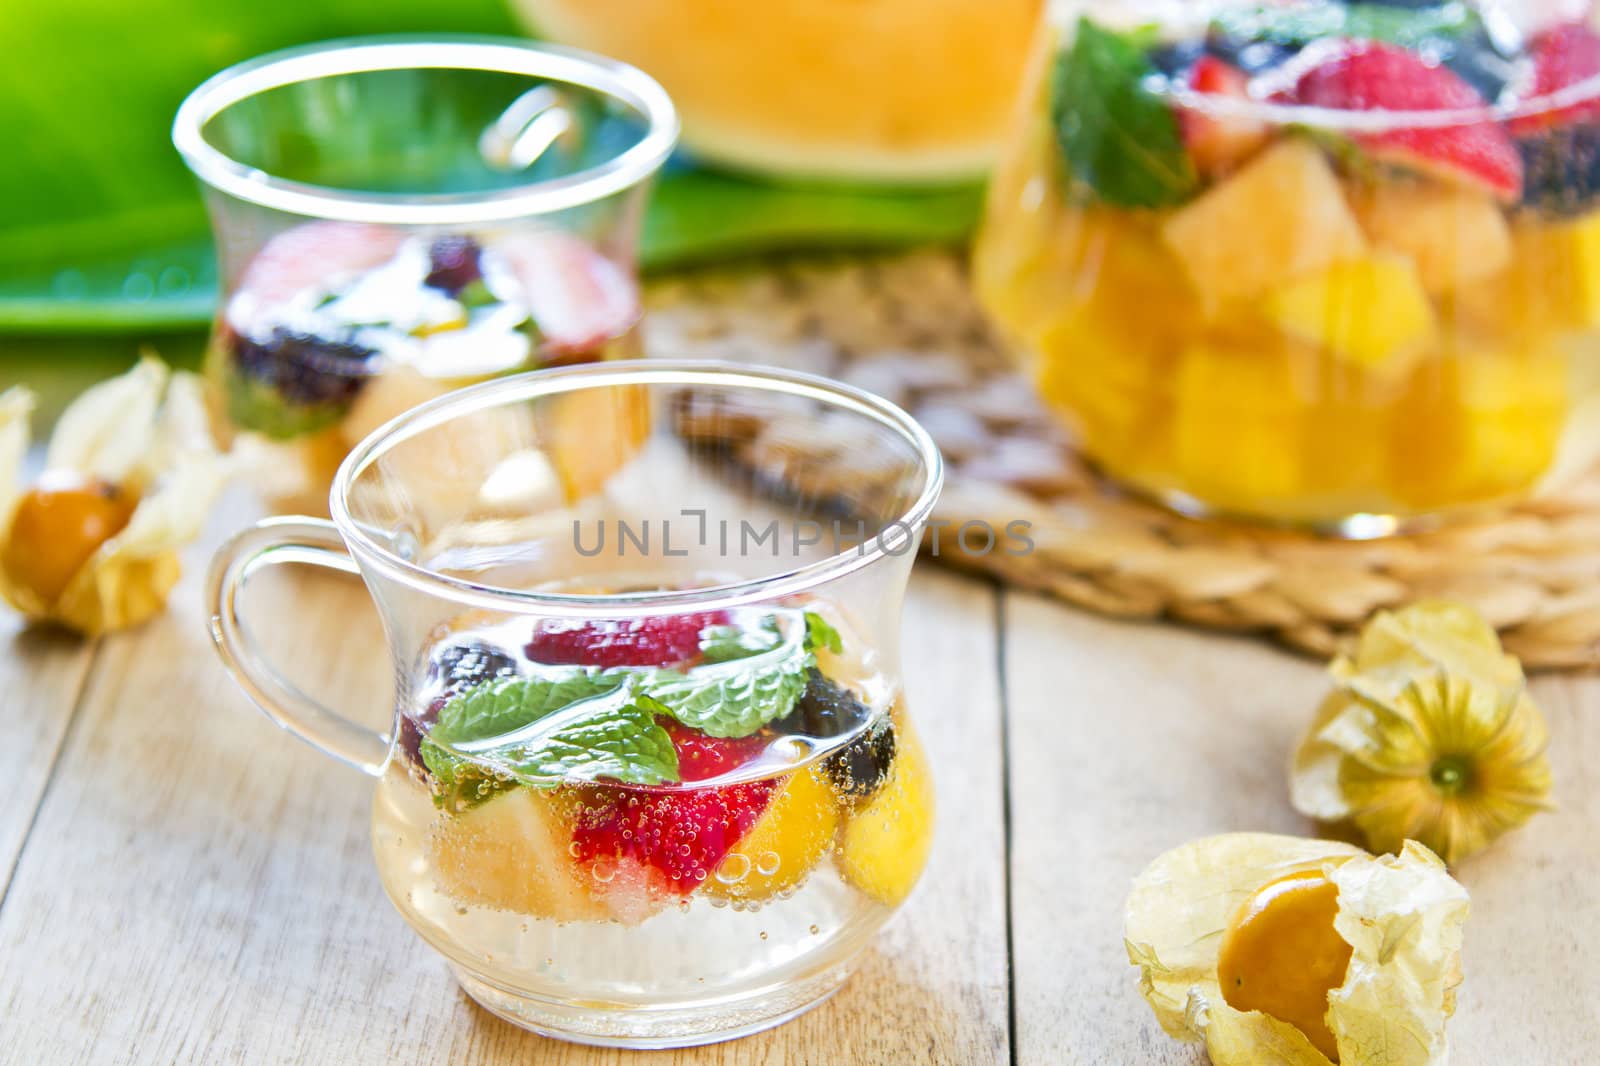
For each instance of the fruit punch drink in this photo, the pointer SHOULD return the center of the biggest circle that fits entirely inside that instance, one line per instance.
(1313, 263)
(661, 810)
(651, 778)
(395, 219)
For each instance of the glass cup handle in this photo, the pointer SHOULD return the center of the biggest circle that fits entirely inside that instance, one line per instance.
(273, 542)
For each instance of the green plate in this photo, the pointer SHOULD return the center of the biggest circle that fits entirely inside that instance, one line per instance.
(102, 229)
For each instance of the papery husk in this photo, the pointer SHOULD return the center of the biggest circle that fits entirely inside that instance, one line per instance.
(147, 432)
(1402, 916)
(1426, 683)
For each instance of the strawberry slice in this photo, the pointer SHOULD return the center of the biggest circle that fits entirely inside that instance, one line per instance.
(657, 641)
(577, 297)
(678, 835)
(1382, 77)
(702, 757)
(1563, 56)
(1218, 143)
(313, 255)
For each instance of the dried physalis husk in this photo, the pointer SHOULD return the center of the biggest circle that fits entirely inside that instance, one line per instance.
(1302, 952)
(130, 473)
(1428, 735)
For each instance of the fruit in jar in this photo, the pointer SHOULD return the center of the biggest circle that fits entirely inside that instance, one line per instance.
(1280, 216)
(1478, 425)
(884, 845)
(1238, 423)
(785, 844)
(511, 853)
(1218, 142)
(1371, 311)
(1453, 235)
(1376, 76)
(57, 526)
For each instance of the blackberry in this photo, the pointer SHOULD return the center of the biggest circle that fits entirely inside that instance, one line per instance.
(461, 666)
(453, 263)
(1561, 169)
(827, 710)
(456, 668)
(305, 369)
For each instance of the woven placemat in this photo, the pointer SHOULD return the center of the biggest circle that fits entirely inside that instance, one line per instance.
(908, 328)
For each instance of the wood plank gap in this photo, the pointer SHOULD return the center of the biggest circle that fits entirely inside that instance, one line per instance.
(1000, 595)
(77, 698)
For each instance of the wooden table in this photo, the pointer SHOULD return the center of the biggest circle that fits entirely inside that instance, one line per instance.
(183, 883)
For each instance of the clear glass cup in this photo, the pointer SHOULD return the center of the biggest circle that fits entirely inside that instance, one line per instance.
(1306, 263)
(652, 780)
(397, 217)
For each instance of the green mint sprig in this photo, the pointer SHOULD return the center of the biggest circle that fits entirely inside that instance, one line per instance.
(1117, 136)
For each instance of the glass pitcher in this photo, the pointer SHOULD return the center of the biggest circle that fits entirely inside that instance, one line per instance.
(397, 217)
(652, 780)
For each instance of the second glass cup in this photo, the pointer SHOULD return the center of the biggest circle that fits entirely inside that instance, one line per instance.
(652, 780)
(397, 217)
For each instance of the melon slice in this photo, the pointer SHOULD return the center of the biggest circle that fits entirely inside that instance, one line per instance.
(1281, 216)
(1454, 234)
(511, 853)
(1370, 311)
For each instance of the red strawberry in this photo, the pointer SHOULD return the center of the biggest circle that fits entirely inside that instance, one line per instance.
(1217, 143)
(1383, 77)
(313, 255)
(702, 757)
(658, 641)
(681, 834)
(1563, 55)
(577, 297)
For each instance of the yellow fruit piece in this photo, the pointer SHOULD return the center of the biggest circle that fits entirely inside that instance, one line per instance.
(792, 835)
(1371, 311)
(1281, 955)
(590, 434)
(1282, 215)
(57, 526)
(1551, 285)
(1238, 425)
(1454, 234)
(510, 853)
(1478, 425)
(885, 844)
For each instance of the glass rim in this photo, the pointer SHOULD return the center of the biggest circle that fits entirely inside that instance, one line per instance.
(612, 78)
(557, 380)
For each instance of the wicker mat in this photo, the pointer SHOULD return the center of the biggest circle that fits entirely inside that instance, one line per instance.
(908, 328)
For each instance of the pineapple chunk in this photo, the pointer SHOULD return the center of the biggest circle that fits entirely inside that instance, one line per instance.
(1455, 234)
(1552, 284)
(1370, 311)
(1281, 216)
(1478, 425)
(1238, 425)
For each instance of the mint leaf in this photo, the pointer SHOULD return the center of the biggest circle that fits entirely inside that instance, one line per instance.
(1116, 135)
(720, 644)
(819, 634)
(586, 724)
(738, 697)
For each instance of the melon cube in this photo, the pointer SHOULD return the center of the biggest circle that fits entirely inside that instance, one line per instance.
(1281, 216)
(1454, 234)
(1551, 284)
(1370, 311)
(1238, 425)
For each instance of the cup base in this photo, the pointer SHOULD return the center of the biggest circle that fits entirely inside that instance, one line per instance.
(654, 1028)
